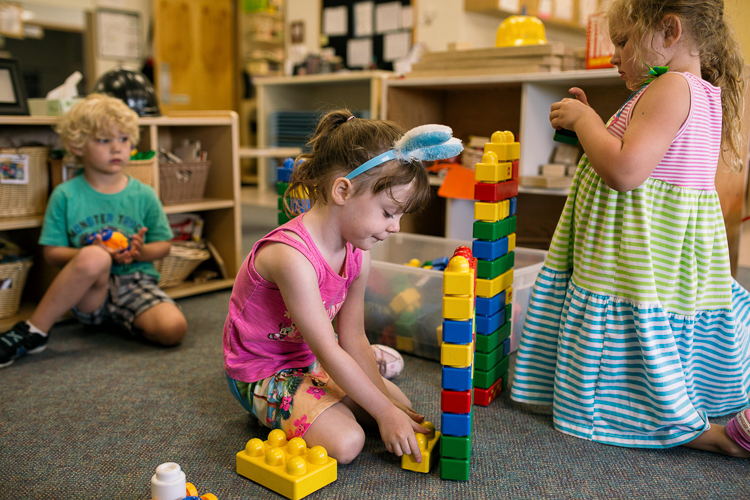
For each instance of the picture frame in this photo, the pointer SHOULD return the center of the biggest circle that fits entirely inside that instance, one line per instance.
(12, 91)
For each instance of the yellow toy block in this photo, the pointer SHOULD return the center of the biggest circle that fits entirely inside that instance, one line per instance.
(428, 447)
(490, 288)
(404, 343)
(458, 307)
(503, 145)
(413, 263)
(287, 467)
(489, 211)
(458, 278)
(508, 295)
(511, 242)
(407, 300)
(489, 170)
(439, 332)
(458, 355)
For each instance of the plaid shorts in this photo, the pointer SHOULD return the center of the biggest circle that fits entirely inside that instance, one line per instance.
(129, 296)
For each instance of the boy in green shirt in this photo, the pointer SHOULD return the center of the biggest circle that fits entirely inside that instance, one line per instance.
(97, 282)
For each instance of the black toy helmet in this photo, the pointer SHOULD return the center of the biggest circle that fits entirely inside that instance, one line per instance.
(132, 87)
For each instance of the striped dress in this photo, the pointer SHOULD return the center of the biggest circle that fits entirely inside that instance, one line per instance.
(636, 332)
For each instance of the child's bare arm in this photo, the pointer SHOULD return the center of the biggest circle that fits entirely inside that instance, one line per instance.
(58, 256)
(625, 164)
(353, 339)
(298, 284)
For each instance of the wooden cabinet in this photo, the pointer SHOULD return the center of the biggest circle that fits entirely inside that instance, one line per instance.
(220, 209)
(521, 103)
(357, 91)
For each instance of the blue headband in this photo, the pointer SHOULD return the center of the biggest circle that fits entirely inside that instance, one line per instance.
(423, 143)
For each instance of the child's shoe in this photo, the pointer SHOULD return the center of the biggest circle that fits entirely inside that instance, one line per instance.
(390, 362)
(19, 341)
(739, 428)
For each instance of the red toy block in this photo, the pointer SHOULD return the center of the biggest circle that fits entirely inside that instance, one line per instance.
(463, 251)
(514, 169)
(495, 192)
(455, 401)
(483, 397)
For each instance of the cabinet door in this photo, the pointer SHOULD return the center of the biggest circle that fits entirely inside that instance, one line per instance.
(194, 54)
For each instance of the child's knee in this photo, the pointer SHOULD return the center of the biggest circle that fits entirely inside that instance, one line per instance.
(348, 445)
(92, 261)
(166, 329)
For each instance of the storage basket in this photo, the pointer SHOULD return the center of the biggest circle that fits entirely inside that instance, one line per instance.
(30, 198)
(10, 299)
(182, 260)
(143, 170)
(183, 182)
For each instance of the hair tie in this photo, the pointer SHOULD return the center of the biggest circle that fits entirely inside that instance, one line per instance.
(350, 118)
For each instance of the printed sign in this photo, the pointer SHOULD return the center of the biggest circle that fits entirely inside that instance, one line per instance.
(14, 169)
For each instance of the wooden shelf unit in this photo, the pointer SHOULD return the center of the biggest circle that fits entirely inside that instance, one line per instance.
(492, 7)
(221, 208)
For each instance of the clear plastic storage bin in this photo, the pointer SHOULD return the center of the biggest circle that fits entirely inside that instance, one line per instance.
(406, 302)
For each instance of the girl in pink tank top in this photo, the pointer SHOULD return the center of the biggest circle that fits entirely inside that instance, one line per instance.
(284, 362)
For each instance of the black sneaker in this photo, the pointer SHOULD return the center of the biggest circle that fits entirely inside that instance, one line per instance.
(19, 341)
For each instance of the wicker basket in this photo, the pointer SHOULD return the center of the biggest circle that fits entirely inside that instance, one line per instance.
(183, 182)
(31, 198)
(10, 299)
(181, 261)
(143, 170)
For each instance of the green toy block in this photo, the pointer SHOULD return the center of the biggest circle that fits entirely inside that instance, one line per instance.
(508, 314)
(492, 231)
(505, 381)
(484, 379)
(485, 361)
(281, 188)
(455, 447)
(490, 269)
(454, 469)
(406, 324)
(487, 343)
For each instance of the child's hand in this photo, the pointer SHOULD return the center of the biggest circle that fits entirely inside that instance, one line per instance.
(410, 412)
(397, 431)
(136, 243)
(119, 256)
(566, 113)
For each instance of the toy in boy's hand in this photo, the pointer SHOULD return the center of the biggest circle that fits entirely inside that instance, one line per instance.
(110, 239)
(565, 136)
(423, 143)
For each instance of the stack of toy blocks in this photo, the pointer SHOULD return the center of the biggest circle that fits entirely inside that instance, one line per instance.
(296, 202)
(496, 190)
(457, 358)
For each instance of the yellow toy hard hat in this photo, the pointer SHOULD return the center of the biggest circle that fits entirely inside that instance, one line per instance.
(520, 30)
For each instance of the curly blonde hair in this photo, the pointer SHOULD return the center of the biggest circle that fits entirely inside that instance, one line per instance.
(722, 63)
(96, 116)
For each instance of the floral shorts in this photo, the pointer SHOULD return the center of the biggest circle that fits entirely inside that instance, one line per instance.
(289, 400)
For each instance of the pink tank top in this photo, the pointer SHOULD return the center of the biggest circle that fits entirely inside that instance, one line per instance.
(260, 337)
(693, 157)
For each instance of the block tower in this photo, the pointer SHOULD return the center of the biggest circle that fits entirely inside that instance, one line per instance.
(457, 358)
(494, 231)
(283, 174)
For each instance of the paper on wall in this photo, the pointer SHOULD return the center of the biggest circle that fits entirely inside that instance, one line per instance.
(387, 17)
(335, 21)
(396, 45)
(363, 18)
(358, 52)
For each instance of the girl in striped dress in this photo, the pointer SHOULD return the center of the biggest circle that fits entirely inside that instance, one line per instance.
(637, 333)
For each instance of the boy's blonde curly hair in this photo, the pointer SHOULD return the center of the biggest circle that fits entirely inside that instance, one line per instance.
(96, 116)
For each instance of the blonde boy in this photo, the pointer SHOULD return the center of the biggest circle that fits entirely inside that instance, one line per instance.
(98, 283)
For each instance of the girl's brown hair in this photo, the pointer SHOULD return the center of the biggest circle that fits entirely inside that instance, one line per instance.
(342, 143)
(707, 29)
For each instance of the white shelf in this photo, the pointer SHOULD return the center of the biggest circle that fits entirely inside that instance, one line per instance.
(23, 222)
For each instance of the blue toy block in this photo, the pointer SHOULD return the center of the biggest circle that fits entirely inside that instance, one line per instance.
(288, 163)
(440, 261)
(283, 174)
(490, 250)
(489, 306)
(506, 347)
(457, 332)
(456, 379)
(456, 424)
(486, 325)
(513, 203)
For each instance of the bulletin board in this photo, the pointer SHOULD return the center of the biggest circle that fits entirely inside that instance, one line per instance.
(366, 32)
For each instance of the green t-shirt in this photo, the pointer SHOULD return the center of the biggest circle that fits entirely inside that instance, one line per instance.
(75, 210)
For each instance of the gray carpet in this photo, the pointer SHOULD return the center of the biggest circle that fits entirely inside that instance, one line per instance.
(93, 415)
